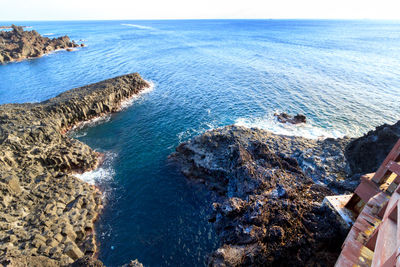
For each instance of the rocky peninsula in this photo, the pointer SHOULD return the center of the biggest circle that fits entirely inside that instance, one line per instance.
(270, 211)
(10, 27)
(17, 45)
(47, 215)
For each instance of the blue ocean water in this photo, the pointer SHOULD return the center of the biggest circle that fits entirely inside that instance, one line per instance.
(344, 75)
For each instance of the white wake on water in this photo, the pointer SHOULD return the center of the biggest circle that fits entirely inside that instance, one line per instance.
(307, 130)
(138, 26)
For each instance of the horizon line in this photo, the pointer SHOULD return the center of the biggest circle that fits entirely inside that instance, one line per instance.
(188, 19)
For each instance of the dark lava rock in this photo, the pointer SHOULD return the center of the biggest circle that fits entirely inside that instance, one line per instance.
(366, 154)
(286, 118)
(300, 118)
(269, 212)
(87, 262)
(134, 263)
(271, 187)
(47, 215)
(18, 44)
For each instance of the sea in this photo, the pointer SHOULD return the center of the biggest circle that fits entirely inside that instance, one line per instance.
(344, 75)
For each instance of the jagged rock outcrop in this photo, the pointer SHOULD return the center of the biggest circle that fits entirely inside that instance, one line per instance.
(18, 44)
(10, 27)
(134, 263)
(87, 262)
(269, 212)
(47, 214)
(286, 118)
(366, 154)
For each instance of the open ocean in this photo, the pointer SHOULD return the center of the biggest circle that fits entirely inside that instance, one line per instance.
(343, 75)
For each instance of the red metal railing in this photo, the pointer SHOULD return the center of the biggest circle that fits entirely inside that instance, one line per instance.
(374, 239)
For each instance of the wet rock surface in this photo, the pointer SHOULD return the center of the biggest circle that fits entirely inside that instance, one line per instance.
(46, 214)
(286, 118)
(134, 263)
(365, 154)
(18, 44)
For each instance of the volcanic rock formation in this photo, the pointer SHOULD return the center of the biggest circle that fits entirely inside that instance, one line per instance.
(286, 118)
(271, 188)
(366, 154)
(18, 44)
(47, 214)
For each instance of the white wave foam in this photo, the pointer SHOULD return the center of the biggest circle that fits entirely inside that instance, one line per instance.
(60, 50)
(127, 103)
(307, 130)
(102, 174)
(48, 34)
(93, 177)
(204, 127)
(89, 123)
(138, 26)
(79, 135)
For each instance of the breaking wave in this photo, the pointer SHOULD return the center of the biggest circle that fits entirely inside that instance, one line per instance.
(101, 175)
(90, 123)
(191, 132)
(307, 130)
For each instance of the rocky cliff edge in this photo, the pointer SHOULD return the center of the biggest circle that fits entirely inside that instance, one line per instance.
(46, 214)
(269, 211)
(18, 44)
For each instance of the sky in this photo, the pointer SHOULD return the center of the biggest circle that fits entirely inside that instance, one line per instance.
(17, 10)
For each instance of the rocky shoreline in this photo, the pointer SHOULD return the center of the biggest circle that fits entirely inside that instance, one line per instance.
(271, 187)
(10, 27)
(269, 211)
(17, 45)
(47, 215)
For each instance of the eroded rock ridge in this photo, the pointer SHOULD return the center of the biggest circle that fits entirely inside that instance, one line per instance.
(18, 44)
(47, 214)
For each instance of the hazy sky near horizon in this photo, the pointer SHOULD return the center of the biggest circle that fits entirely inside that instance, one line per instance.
(197, 9)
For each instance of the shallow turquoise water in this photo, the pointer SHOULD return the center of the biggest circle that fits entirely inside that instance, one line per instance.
(344, 75)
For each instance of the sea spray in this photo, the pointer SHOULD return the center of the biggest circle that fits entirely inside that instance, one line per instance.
(307, 130)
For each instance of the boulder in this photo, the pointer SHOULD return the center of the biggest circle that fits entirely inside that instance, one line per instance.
(73, 251)
(286, 118)
(13, 184)
(86, 262)
(134, 263)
